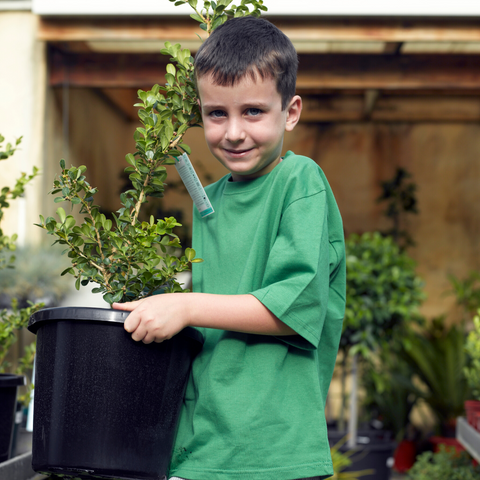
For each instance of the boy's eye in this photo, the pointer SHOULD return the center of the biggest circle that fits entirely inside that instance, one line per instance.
(254, 112)
(217, 113)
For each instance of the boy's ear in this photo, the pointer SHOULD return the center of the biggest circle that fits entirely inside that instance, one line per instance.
(294, 109)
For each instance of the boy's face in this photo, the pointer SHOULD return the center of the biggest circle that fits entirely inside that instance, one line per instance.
(244, 124)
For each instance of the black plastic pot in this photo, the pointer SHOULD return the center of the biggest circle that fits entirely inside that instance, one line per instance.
(105, 406)
(374, 450)
(8, 401)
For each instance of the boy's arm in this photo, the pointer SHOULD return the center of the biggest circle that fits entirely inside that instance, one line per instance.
(160, 317)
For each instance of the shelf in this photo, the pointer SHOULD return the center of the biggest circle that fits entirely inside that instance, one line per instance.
(468, 437)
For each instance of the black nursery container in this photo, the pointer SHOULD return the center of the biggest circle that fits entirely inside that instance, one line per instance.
(8, 402)
(105, 405)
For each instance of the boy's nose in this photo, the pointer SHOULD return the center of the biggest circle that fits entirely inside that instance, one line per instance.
(234, 132)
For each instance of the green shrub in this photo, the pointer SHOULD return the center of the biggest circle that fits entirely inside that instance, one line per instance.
(444, 465)
(472, 348)
(383, 291)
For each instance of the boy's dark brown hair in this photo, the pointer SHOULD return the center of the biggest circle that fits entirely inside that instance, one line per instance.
(249, 46)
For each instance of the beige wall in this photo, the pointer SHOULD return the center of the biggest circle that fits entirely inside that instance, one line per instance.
(22, 93)
(444, 160)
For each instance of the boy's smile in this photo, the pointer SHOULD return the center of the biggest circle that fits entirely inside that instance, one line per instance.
(245, 124)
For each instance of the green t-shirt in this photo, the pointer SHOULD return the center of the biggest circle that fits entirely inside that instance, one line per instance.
(254, 405)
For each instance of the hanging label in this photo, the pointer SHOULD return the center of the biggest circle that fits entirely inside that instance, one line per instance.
(192, 183)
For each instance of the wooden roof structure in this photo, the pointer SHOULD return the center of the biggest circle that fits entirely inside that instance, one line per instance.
(378, 69)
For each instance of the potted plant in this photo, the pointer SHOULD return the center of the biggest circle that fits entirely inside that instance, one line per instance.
(437, 356)
(89, 372)
(342, 462)
(472, 374)
(383, 292)
(446, 464)
(390, 395)
(12, 319)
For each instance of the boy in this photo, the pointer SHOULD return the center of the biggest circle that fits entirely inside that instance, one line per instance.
(271, 292)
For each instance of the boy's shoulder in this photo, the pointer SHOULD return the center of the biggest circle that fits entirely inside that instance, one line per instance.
(299, 163)
(303, 168)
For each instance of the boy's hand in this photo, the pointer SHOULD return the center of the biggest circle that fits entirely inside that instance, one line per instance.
(156, 318)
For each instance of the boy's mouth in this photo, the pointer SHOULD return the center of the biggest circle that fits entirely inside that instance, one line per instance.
(237, 153)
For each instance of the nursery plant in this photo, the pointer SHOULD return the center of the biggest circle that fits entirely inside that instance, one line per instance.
(390, 393)
(472, 348)
(399, 194)
(437, 356)
(447, 464)
(472, 373)
(126, 258)
(343, 460)
(7, 194)
(383, 293)
(13, 319)
(467, 292)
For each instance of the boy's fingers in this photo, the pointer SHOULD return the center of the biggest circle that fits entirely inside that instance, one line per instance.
(132, 322)
(128, 306)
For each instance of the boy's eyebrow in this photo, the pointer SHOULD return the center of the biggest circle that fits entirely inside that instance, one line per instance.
(259, 104)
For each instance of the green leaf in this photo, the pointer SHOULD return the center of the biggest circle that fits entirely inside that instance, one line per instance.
(196, 17)
(219, 21)
(69, 222)
(186, 148)
(108, 297)
(61, 214)
(118, 296)
(170, 79)
(130, 159)
(171, 69)
(62, 164)
(190, 254)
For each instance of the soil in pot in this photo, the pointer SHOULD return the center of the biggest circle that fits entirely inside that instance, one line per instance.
(105, 405)
(8, 401)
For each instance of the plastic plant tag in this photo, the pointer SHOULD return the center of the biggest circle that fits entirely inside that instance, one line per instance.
(192, 183)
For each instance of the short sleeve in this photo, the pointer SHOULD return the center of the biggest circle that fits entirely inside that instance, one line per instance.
(295, 285)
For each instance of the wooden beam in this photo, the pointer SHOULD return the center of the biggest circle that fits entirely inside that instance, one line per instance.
(120, 29)
(332, 108)
(386, 72)
(427, 109)
(350, 108)
(317, 73)
(392, 48)
(317, 29)
(106, 70)
(371, 98)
